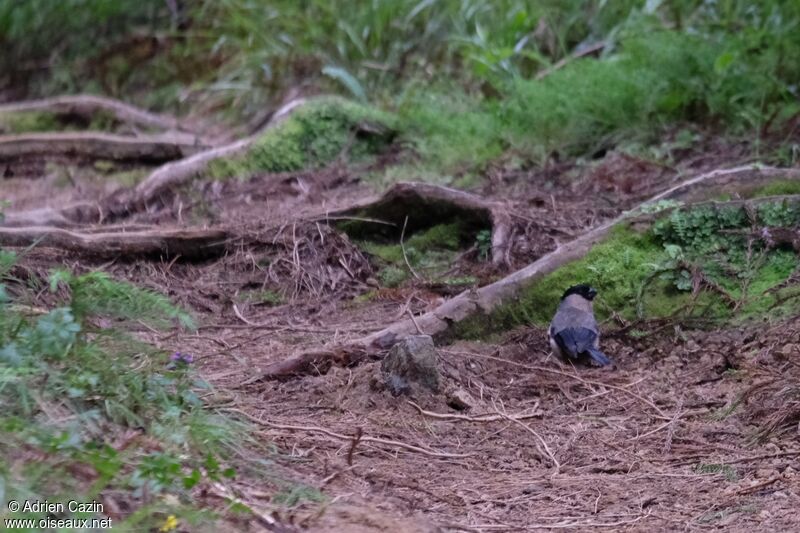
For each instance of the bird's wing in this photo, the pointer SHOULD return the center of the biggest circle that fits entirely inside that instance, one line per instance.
(575, 341)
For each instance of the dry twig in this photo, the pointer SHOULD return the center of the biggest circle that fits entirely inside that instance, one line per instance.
(329, 433)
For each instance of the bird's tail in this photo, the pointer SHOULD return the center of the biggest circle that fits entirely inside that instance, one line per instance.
(598, 356)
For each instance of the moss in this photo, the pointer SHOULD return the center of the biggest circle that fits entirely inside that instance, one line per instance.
(728, 471)
(366, 297)
(450, 131)
(128, 178)
(392, 276)
(28, 121)
(430, 251)
(312, 136)
(266, 297)
(777, 188)
(461, 281)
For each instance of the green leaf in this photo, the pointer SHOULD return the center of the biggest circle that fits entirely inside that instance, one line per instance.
(348, 80)
(722, 62)
(192, 479)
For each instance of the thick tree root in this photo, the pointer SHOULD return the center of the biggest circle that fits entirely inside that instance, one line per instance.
(168, 176)
(165, 177)
(190, 244)
(489, 297)
(94, 145)
(87, 107)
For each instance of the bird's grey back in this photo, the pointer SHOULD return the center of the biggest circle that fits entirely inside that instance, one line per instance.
(569, 316)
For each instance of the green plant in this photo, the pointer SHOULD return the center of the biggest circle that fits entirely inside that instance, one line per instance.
(728, 471)
(483, 240)
(70, 390)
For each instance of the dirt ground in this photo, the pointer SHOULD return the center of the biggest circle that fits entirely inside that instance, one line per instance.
(669, 439)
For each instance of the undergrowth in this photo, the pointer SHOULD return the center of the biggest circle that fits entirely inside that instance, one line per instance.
(460, 75)
(87, 411)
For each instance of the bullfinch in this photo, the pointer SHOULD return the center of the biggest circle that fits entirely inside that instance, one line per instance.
(573, 332)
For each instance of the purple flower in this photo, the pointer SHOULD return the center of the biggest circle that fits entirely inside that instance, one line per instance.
(184, 358)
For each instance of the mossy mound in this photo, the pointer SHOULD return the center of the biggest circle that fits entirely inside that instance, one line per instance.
(312, 136)
(655, 273)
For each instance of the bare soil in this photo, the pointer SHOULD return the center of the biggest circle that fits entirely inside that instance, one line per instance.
(671, 438)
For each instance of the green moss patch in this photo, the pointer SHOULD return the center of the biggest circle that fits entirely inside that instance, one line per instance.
(312, 136)
(653, 274)
(430, 252)
(28, 122)
(777, 188)
(42, 121)
(261, 297)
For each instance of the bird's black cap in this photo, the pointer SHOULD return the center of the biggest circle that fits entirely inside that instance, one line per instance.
(583, 289)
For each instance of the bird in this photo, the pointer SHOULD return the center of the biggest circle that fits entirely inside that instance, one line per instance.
(573, 332)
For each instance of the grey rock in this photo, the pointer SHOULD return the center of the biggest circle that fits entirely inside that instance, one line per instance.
(411, 361)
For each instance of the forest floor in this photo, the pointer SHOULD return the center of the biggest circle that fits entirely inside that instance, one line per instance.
(666, 440)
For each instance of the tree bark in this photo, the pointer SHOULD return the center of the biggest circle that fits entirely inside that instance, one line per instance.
(95, 145)
(190, 244)
(87, 106)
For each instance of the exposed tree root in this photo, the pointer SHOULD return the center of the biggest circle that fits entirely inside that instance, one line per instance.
(179, 172)
(168, 176)
(423, 205)
(71, 215)
(190, 244)
(163, 178)
(94, 145)
(87, 106)
(487, 298)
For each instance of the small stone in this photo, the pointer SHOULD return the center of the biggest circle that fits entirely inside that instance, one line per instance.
(459, 399)
(411, 361)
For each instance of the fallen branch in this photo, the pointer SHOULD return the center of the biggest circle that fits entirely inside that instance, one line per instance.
(187, 243)
(476, 418)
(349, 438)
(95, 145)
(87, 106)
(220, 491)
